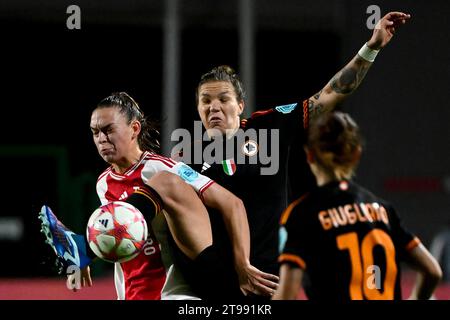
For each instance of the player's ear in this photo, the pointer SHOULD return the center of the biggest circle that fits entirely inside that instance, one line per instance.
(241, 106)
(136, 127)
(309, 155)
(357, 155)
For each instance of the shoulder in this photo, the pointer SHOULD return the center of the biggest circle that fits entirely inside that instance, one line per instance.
(271, 114)
(256, 118)
(104, 173)
(156, 159)
(368, 195)
(296, 208)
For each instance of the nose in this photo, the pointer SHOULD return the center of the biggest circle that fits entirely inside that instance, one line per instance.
(215, 106)
(102, 137)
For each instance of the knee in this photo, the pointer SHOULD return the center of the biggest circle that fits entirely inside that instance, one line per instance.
(166, 184)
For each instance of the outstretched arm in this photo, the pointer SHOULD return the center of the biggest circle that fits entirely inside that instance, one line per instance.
(350, 77)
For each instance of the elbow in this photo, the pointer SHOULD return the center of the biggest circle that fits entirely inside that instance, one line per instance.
(238, 205)
(233, 207)
(434, 272)
(166, 184)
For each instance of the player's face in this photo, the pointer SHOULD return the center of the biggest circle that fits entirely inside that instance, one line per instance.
(218, 107)
(114, 138)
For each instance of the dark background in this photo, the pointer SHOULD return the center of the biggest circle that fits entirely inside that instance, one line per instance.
(53, 77)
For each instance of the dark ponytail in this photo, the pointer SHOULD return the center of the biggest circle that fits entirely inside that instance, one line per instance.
(148, 138)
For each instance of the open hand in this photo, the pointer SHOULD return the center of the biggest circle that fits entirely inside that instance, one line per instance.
(252, 280)
(385, 29)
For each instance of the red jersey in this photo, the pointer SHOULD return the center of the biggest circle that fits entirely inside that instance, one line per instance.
(144, 276)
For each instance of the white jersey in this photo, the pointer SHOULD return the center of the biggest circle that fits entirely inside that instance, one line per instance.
(152, 274)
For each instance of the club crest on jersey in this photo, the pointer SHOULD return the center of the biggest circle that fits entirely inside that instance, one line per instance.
(187, 173)
(229, 166)
(250, 148)
(286, 108)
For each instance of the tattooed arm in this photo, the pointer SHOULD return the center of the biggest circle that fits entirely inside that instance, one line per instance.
(350, 77)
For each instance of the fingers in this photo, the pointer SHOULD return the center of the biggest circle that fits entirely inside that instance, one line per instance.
(263, 286)
(269, 280)
(262, 274)
(397, 15)
(269, 276)
(89, 280)
(87, 277)
(77, 281)
(244, 291)
(268, 283)
(259, 282)
(398, 23)
(258, 288)
(261, 289)
(395, 19)
(86, 280)
(71, 283)
(402, 18)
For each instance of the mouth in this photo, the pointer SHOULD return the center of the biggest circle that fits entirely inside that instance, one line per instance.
(215, 120)
(107, 151)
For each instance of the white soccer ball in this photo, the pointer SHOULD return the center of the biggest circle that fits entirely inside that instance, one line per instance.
(116, 231)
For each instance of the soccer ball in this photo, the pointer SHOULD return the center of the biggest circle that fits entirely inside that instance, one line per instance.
(116, 231)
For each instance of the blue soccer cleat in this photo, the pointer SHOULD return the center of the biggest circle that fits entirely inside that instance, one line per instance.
(69, 247)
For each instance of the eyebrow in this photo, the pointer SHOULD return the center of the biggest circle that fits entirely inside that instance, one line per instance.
(220, 94)
(102, 128)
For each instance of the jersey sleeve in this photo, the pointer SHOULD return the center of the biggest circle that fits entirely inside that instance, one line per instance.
(287, 118)
(403, 240)
(291, 121)
(102, 187)
(158, 163)
(294, 224)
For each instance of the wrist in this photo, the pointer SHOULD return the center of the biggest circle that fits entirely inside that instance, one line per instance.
(373, 44)
(241, 262)
(368, 53)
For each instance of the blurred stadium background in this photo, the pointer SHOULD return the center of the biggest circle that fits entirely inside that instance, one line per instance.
(285, 51)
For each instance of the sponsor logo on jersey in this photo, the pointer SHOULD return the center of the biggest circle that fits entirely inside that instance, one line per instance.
(205, 166)
(286, 108)
(123, 196)
(187, 173)
(229, 166)
(250, 148)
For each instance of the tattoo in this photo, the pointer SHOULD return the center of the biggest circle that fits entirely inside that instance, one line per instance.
(314, 109)
(317, 95)
(344, 82)
(349, 78)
